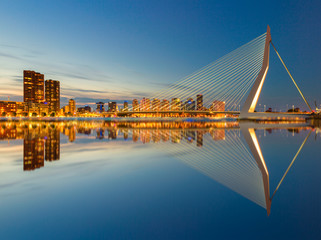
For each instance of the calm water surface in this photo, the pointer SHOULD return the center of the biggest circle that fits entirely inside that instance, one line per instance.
(109, 180)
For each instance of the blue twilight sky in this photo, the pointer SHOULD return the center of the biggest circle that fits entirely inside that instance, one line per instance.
(120, 50)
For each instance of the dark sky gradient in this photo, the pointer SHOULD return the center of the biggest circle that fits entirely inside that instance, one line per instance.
(125, 49)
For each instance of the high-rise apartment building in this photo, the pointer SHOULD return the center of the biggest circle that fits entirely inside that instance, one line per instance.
(135, 105)
(145, 104)
(164, 105)
(72, 106)
(189, 105)
(156, 104)
(112, 107)
(52, 95)
(175, 104)
(33, 87)
(100, 107)
(148, 104)
(125, 106)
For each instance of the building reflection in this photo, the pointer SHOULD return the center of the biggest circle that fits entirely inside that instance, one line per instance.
(52, 144)
(33, 153)
(41, 140)
(199, 138)
(240, 167)
(100, 133)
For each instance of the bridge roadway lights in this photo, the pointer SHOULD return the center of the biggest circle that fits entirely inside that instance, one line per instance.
(177, 112)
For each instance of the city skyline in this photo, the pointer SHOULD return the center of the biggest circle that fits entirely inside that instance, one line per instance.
(115, 62)
(171, 119)
(41, 98)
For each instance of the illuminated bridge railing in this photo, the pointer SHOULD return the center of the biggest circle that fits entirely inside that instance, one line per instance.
(176, 112)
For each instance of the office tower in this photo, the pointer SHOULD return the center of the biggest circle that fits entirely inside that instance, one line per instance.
(125, 106)
(199, 102)
(33, 87)
(147, 104)
(72, 106)
(144, 104)
(164, 105)
(190, 104)
(100, 107)
(52, 95)
(135, 105)
(155, 104)
(175, 104)
(66, 109)
(112, 107)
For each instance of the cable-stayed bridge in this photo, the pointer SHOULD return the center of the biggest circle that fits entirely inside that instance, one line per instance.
(234, 160)
(220, 87)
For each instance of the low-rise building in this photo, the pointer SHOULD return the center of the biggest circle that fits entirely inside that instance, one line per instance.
(8, 107)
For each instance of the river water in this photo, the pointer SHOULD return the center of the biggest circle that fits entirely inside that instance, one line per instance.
(159, 180)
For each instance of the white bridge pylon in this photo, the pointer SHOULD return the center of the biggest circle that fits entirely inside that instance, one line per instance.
(253, 97)
(248, 110)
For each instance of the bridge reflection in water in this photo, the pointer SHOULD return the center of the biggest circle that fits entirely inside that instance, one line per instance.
(228, 152)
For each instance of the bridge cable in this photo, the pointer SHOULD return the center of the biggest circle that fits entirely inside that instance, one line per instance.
(291, 77)
(286, 172)
(226, 80)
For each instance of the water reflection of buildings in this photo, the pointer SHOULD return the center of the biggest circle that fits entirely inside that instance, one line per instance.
(33, 154)
(52, 145)
(40, 143)
(41, 140)
(214, 149)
